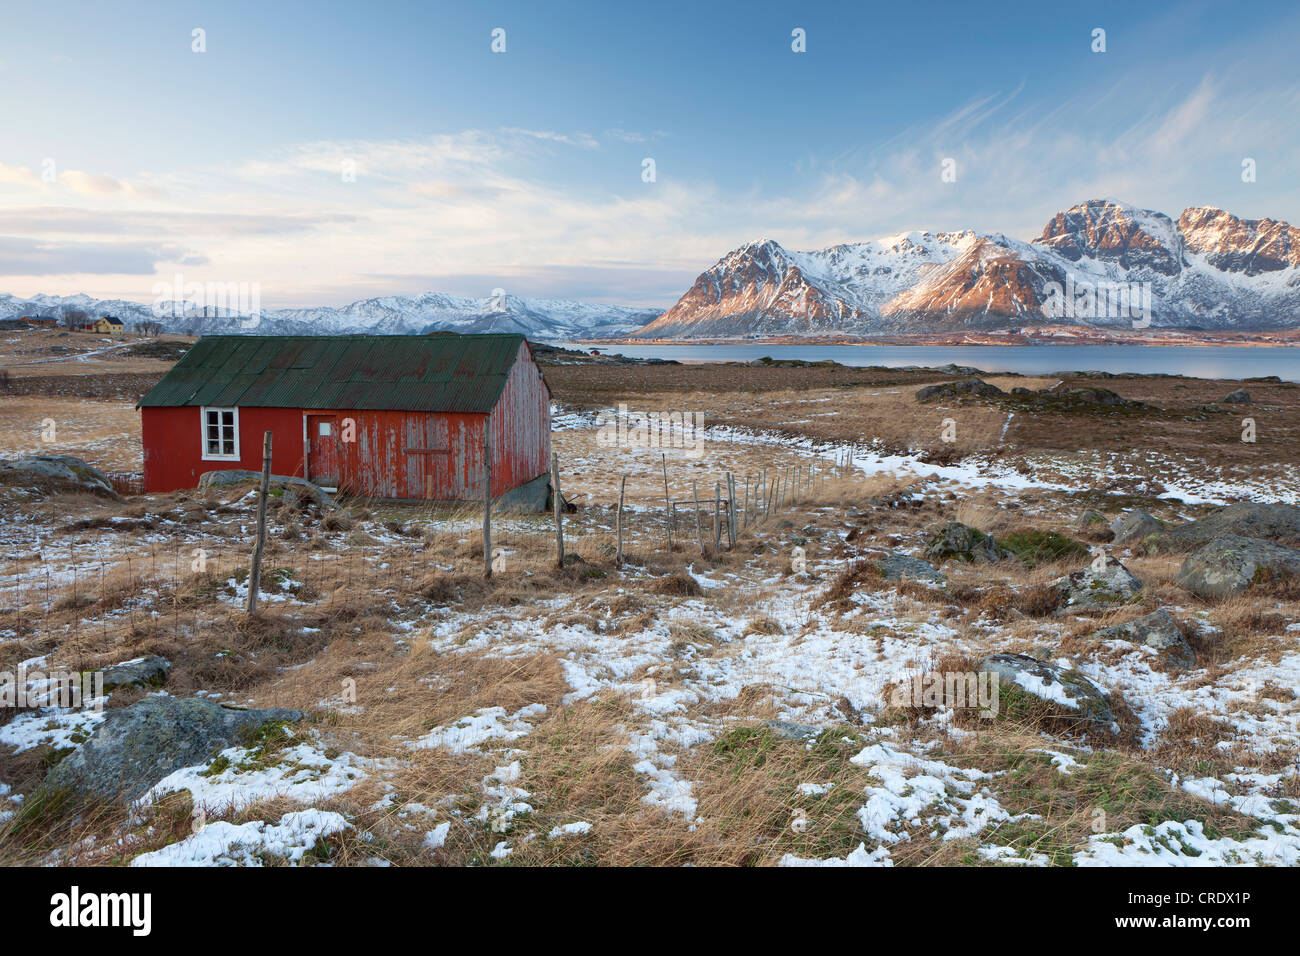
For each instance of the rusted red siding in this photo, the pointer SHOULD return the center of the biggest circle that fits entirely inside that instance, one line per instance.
(435, 455)
(381, 454)
(521, 427)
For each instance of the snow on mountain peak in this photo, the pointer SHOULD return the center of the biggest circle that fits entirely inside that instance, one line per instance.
(1206, 270)
(384, 315)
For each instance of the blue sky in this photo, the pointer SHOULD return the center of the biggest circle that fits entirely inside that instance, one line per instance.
(127, 157)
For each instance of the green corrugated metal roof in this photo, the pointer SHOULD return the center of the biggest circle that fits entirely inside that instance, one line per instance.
(444, 373)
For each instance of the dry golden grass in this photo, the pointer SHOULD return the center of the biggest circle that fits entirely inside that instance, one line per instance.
(349, 600)
(105, 434)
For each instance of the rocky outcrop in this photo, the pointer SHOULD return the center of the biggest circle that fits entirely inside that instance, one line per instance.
(1248, 246)
(135, 747)
(1239, 397)
(1093, 395)
(1230, 564)
(970, 387)
(1108, 231)
(1158, 631)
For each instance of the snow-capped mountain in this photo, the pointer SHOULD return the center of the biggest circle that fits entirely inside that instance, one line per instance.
(390, 315)
(1102, 262)
(765, 289)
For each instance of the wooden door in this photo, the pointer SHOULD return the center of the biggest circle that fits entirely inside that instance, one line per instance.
(323, 450)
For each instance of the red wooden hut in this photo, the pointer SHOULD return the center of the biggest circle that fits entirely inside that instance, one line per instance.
(385, 416)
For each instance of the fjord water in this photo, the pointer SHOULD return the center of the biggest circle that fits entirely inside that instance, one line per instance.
(1195, 361)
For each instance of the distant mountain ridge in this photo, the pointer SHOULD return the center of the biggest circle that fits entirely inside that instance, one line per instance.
(385, 315)
(1208, 270)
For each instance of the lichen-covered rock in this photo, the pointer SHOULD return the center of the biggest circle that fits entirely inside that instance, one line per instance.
(1135, 525)
(1157, 630)
(1067, 692)
(1103, 584)
(897, 567)
(1230, 564)
(964, 543)
(150, 671)
(135, 747)
(1239, 397)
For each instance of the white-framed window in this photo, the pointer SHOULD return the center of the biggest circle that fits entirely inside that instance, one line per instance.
(220, 433)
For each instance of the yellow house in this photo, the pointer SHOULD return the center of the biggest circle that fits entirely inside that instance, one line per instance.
(109, 326)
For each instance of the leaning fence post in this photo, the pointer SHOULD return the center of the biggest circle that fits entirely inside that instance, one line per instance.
(555, 499)
(255, 573)
(622, 489)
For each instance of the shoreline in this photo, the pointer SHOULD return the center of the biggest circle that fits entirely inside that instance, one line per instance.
(1289, 339)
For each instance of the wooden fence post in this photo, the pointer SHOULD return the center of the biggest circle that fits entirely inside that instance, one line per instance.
(555, 499)
(668, 502)
(699, 531)
(731, 510)
(717, 516)
(255, 573)
(744, 511)
(622, 490)
(487, 501)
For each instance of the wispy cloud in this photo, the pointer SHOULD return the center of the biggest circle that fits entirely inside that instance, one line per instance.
(469, 210)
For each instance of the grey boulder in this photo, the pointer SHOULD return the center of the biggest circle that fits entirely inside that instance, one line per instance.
(1134, 526)
(240, 476)
(1239, 397)
(63, 468)
(1230, 564)
(1091, 519)
(150, 671)
(135, 747)
(898, 567)
(1103, 584)
(964, 543)
(1067, 692)
(1157, 630)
